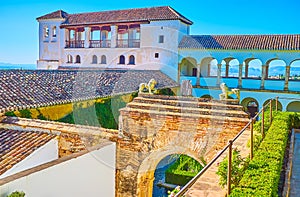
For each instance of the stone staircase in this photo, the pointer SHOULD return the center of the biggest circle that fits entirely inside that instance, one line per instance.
(197, 107)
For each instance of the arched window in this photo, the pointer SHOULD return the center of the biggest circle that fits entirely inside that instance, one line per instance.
(54, 31)
(131, 59)
(94, 59)
(77, 59)
(46, 32)
(69, 59)
(122, 59)
(103, 59)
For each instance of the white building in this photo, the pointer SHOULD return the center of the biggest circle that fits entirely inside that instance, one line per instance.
(158, 38)
(145, 38)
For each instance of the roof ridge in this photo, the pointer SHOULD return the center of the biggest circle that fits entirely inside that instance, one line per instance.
(118, 10)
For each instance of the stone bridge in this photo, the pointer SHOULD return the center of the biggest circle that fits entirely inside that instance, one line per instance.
(150, 128)
(153, 127)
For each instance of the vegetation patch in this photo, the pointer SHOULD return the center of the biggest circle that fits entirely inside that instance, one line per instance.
(263, 173)
(182, 171)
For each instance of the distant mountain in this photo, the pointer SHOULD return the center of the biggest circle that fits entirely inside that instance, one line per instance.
(8, 66)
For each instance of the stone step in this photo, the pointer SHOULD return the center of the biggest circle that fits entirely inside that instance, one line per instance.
(138, 112)
(191, 99)
(179, 109)
(191, 104)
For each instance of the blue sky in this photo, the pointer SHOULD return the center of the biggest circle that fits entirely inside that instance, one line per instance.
(19, 28)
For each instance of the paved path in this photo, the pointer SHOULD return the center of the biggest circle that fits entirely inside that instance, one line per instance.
(295, 177)
(208, 184)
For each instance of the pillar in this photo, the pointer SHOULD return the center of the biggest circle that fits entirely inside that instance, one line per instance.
(114, 35)
(246, 70)
(240, 75)
(219, 74)
(227, 70)
(263, 76)
(198, 74)
(87, 31)
(287, 76)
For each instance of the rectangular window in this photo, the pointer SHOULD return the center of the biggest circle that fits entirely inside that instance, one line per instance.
(161, 39)
(156, 55)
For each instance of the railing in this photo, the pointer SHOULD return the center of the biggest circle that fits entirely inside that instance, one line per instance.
(100, 43)
(229, 148)
(75, 44)
(128, 43)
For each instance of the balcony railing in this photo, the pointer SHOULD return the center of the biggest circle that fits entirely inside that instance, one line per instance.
(100, 43)
(128, 43)
(75, 44)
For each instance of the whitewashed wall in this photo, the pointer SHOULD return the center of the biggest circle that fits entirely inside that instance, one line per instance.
(92, 174)
(44, 154)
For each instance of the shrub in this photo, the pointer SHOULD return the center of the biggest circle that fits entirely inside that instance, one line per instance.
(238, 168)
(17, 194)
(183, 170)
(263, 173)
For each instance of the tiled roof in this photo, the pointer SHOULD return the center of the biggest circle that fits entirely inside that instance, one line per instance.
(260, 42)
(17, 145)
(59, 14)
(129, 15)
(21, 89)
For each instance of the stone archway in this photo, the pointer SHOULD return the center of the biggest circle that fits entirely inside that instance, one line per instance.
(188, 67)
(273, 104)
(293, 106)
(250, 105)
(148, 166)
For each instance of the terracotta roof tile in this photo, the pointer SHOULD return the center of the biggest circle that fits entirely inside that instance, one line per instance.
(260, 42)
(23, 89)
(59, 14)
(17, 145)
(129, 15)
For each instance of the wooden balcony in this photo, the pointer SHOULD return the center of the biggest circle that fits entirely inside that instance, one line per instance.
(75, 44)
(100, 43)
(128, 43)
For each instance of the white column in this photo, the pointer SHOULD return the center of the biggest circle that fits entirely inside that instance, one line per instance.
(263, 77)
(87, 31)
(198, 75)
(114, 34)
(287, 76)
(219, 74)
(240, 75)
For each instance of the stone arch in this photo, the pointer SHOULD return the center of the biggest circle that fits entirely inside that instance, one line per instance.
(233, 68)
(207, 96)
(273, 104)
(103, 59)
(213, 68)
(122, 59)
(204, 66)
(69, 59)
(295, 70)
(250, 105)
(293, 106)
(275, 69)
(188, 67)
(78, 61)
(94, 59)
(147, 168)
(131, 60)
(253, 68)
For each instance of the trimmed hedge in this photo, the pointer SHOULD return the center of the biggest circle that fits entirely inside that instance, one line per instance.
(263, 173)
(182, 171)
